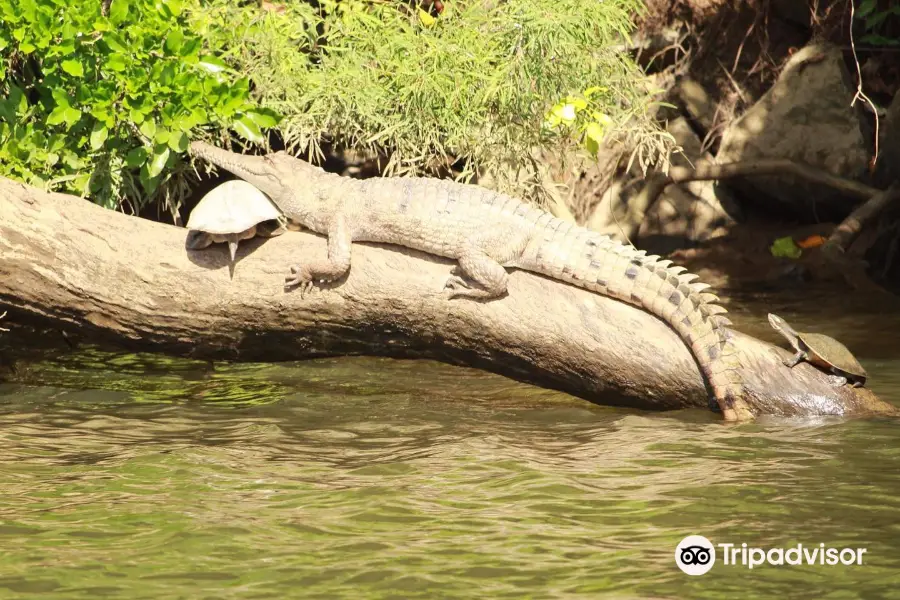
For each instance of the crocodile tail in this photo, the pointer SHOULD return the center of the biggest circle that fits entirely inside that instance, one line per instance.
(596, 262)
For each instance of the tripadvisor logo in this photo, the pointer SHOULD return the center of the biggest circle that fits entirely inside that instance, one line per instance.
(696, 555)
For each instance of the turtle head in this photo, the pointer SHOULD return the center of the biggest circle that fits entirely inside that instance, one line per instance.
(776, 322)
(781, 326)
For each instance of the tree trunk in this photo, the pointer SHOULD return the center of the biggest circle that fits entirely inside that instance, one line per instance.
(68, 264)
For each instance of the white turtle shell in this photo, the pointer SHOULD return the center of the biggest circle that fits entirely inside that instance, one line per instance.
(232, 207)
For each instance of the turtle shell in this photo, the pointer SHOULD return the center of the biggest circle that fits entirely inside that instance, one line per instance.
(831, 353)
(230, 208)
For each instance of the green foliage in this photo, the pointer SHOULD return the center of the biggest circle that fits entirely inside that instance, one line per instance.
(785, 247)
(581, 116)
(103, 105)
(876, 17)
(475, 82)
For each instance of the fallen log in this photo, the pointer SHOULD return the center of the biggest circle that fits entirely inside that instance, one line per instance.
(112, 278)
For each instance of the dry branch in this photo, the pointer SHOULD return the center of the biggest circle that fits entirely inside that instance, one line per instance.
(68, 264)
(845, 233)
(834, 250)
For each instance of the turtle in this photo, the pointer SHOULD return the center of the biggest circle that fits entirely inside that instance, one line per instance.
(232, 212)
(822, 351)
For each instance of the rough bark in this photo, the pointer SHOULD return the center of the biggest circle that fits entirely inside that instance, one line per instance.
(113, 278)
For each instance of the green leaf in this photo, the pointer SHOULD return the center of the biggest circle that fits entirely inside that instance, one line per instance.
(174, 41)
(81, 183)
(785, 248)
(174, 6)
(263, 117)
(876, 19)
(865, 7)
(879, 40)
(57, 116)
(137, 157)
(71, 115)
(178, 141)
(136, 116)
(212, 64)
(100, 113)
(113, 41)
(148, 128)
(60, 97)
(118, 11)
(116, 62)
(190, 50)
(98, 135)
(73, 68)
(27, 47)
(233, 100)
(158, 160)
(162, 135)
(247, 129)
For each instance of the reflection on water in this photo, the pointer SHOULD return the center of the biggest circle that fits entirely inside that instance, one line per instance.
(145, 477)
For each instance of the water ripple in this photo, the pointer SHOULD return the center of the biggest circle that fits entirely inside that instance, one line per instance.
(126, 478)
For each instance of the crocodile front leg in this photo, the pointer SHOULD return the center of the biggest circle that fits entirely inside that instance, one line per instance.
(323, 271)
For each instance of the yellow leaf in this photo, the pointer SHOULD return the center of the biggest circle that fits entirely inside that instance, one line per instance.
(427, 20)
(578, 103)
(565, 113)
(594, 131)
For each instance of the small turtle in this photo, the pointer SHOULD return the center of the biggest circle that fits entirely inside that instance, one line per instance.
(822, 351)
(232, 212)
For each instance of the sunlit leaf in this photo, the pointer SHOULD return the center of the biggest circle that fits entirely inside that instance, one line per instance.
(148, 128)
(262, 117)
(178, 141)
(247, 129)
(118, 11)
(73, 67)
(158, 160)
(212, 64)
(426, 19)
(99, 133)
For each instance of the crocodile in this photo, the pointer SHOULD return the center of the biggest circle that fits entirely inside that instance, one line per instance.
(486, 232)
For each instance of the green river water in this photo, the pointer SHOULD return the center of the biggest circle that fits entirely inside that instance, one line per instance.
(141, 476)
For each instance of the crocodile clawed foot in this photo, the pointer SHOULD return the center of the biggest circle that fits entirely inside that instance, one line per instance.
(456, 286)
(301, 278)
